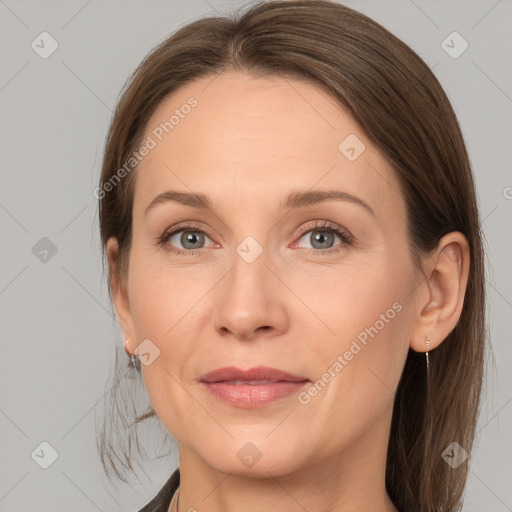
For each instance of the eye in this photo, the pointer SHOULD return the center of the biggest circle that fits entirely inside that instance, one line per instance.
(322, 238)
(190, 238)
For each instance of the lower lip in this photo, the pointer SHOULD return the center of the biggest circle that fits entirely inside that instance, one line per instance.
(247, 396)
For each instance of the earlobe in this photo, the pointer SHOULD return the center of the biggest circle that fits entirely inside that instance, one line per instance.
(447, 272)
(120, 295)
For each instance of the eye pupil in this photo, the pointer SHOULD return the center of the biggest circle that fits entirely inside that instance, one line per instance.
(321, 237)
(192, 237)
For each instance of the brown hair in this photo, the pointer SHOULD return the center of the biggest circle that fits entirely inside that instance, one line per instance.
(401, 107)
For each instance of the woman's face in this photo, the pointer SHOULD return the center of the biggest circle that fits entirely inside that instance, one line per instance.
(260, 277)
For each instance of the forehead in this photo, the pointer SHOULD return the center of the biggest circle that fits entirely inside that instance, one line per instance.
(246, 138)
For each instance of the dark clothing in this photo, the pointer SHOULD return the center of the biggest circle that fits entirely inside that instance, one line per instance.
(161, 502)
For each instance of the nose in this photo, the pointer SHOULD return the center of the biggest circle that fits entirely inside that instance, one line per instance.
(251, 301)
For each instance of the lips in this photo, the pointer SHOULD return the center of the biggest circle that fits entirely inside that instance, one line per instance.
(252, 376)
(252, 388)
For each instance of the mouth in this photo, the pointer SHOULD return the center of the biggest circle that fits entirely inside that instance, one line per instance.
(252, 388)
(251, 382)
(256, 375)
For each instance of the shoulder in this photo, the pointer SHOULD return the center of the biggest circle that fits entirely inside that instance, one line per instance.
(160, 503)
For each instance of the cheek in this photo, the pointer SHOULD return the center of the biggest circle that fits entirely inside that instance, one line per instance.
(354, 297)
(357, 374)
(161, 296)
(161, 310)
(368, 310)
(166, 308)
(377, 316)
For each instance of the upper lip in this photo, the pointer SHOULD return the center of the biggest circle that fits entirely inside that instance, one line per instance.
(252, 374)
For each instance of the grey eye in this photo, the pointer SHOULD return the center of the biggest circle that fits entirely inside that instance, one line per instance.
(320, 238)
(190, 240)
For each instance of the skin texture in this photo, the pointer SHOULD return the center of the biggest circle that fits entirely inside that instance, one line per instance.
(247, 144)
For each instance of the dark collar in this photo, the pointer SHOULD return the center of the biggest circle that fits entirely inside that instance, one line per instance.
(161, 502)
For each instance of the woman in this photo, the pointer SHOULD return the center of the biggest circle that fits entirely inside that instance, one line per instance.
(288, 214)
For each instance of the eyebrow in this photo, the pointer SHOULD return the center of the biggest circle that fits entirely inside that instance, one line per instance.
(294, 200)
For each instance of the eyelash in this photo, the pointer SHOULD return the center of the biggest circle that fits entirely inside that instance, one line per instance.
(344, 235)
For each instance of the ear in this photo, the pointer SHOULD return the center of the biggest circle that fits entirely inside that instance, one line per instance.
(120, 297)
(442, 292)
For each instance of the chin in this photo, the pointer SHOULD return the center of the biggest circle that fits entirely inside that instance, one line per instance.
(255, 456)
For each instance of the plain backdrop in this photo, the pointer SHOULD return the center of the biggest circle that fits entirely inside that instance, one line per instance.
(58, 334)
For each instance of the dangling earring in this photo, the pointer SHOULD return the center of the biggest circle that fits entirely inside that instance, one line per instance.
(427, 343)
(133, 361)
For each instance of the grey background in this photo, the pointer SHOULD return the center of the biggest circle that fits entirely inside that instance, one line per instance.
(58, 334)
